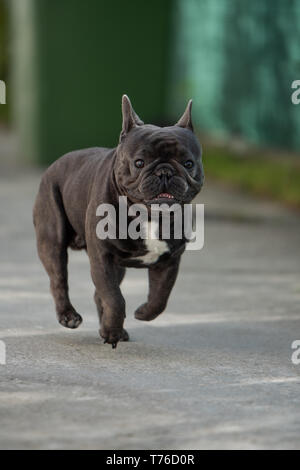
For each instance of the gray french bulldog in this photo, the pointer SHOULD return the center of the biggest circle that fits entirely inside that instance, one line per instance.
(150, 165)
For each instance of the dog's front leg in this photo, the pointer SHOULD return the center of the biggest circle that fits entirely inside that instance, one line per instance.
(106, 281)
(161, 281)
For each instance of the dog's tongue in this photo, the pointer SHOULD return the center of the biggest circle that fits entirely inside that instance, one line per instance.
(165, 195)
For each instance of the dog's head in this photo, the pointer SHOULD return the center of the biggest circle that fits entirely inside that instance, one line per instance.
(158, 164)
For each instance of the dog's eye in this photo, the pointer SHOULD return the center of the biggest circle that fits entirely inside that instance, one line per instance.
(139, 163)
(188, 164)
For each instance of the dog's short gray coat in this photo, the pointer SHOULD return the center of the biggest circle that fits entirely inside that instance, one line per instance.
(76, 184)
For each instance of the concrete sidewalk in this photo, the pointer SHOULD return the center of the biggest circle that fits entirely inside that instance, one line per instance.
(214, 371)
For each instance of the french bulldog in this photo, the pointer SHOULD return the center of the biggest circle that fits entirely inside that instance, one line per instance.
(150, 165)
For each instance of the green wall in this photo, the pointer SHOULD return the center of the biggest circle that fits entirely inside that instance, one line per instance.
(237, 59)
(4, 109)
(74, 59)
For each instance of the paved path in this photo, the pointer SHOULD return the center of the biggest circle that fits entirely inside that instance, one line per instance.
(214, 371)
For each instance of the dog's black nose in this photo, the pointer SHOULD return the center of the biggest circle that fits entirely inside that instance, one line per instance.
(164, 170)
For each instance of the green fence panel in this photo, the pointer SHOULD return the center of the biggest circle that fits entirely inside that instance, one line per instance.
(238, 59)
(74, 59)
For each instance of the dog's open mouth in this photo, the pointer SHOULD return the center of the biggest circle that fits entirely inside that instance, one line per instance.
(164, 196)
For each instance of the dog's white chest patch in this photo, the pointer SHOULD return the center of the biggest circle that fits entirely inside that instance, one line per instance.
(154, 246)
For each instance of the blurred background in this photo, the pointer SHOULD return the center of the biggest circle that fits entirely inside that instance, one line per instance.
(66, 64)
(215, 370)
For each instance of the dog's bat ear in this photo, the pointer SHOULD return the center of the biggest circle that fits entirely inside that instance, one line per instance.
(186, 118)
(130, 118)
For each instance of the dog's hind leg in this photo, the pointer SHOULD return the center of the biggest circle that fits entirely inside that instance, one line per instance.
(51, 232)
(120, 275)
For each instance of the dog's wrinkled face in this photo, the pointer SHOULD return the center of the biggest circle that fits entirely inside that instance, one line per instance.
(158, 165)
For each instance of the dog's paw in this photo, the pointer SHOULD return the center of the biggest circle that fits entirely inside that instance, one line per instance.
(70, 319)
(146, 313)
(113, 335)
